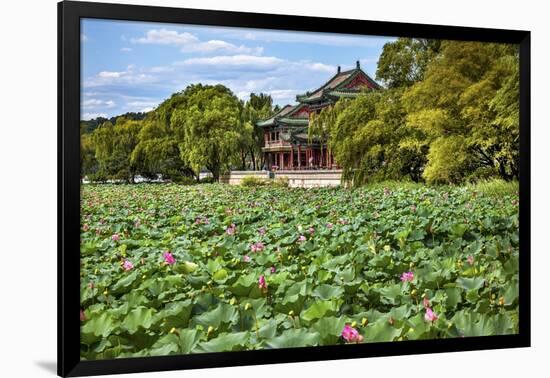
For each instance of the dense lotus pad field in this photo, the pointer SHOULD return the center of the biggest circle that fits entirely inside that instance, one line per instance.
(168, 269)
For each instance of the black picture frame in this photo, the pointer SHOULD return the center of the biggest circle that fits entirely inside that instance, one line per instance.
(69, 15)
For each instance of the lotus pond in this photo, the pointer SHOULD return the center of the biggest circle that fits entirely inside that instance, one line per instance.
(169, 269)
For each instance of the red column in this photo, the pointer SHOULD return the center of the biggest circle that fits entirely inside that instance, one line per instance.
(299, 157)
(291, 157)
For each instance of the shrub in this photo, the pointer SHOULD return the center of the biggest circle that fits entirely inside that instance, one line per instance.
(207, 180)
(495, 187)
(252, 181)
(184, 180)
(280, 182)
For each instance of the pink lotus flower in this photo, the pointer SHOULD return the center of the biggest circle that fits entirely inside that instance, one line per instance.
(246, 258)
(127, 265)
(202, 220)
(351, 335)
(168, 258)
(413, 208)
(470, 260)
(231, 229)
(343, 221)
(257, 247)
(85, 227)
(407, 276)
(430, 316)
(426, 302)
(330, 225)
(311, 230)
(301, 238)
(261, 283)
(262, 231)
(115, 237)
(82, 316)
(273, 269)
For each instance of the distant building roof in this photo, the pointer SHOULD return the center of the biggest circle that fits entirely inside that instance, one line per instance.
(346, 84)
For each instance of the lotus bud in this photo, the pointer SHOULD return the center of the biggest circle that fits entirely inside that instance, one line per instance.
(354, 324)
(291, 313)
(232, 301)
(173, 330)
(364, 322)
(210, 330)
(413, 292)
(247, 306)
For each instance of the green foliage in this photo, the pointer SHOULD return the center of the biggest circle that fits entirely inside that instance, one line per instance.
(465, 110)
(495, 187)
(208, 127)
(404, 62)
(280, 181)
(461, 244)
(113, 148)
(365, 135)
(250, 181)
(200, 127)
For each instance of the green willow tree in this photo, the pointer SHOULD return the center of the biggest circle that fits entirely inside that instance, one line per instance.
(365, 136)
(465, 112)
(158, 151)
(114, 145)
(256, 108)
(208, 128)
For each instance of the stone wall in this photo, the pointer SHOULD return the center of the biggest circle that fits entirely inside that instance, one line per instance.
(296, 179)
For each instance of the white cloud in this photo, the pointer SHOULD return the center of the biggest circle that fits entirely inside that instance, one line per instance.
(283, 94)
(131, 76)
(83, 37)
(233, 60)
(126, 49)
(111, 74)
(166, 37)
(321, 67)
(158, 69)
(221, 46)
(189, 43)
(88, 116)
(94, 103)
(325, 39)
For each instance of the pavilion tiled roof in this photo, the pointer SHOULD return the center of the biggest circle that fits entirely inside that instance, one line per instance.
(345, 84)
(281, 113)
(332, 83)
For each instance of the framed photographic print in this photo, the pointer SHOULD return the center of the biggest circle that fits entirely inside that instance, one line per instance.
(239, 188)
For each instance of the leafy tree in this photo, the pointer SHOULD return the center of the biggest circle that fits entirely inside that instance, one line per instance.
(467, 95)
(365, 135)
(256, 108)
(208, 128)
(88, 161)
(404, 61)
(114, 145)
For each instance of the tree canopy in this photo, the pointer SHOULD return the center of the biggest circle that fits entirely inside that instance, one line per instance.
(201, 127)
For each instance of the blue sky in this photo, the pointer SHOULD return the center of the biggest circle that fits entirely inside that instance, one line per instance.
(133, 66)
